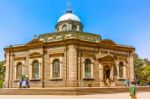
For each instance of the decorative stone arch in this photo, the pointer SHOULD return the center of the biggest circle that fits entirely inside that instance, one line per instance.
(91, 61)
(16, 61)
(52, 59)
(64, 27)
(74, 27)
(87, 68)
(31, 61)
(106, 71)
(56, 68)
(121, 70)
(107, 65)
(35, 69)
(18, 70)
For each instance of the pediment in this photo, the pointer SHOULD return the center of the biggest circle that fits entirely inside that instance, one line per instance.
(19, 58)
(108, 58)
(35, 54)
(34, 41)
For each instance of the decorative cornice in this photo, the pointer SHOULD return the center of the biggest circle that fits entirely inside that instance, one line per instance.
(104, 45)
(35, 55)
(19, 58)
(56, 54)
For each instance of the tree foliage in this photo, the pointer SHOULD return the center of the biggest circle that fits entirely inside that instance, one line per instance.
(142, 70)
(145, 75)
(2, 73)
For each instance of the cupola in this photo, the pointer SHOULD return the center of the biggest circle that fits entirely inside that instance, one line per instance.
(69, 22)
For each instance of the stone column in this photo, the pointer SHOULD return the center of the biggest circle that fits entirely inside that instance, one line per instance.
(112, 72)
(131, 68)
(125, 72)
(72, 66)
(101, 74)
(11, 70)
(7, 72)
(116, 72)
(43, 69)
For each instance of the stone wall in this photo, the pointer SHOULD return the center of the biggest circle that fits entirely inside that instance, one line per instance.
(72, 59)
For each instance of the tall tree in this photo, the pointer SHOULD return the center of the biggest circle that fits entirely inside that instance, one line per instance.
(2, 70)
(146, 61)
(2, 73)
(138, 65)
(145, 75)
(142, 70)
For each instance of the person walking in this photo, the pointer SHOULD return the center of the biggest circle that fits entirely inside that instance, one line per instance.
(133, 90)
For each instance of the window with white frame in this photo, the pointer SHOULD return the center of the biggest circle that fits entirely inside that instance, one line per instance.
(19, 70)
(56, 68)
(35, 69)
(87, 68)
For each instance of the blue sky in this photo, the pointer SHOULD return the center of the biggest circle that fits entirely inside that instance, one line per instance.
(126, 22)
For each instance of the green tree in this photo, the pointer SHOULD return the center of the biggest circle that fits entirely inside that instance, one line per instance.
(2, 73)
(145, 75)
(146, 61)
(142, 69)
(138, 65)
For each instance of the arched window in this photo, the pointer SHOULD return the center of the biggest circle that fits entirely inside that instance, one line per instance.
(74, 27)
(64, 28)
(19, 70)
(121, 65)
(56, 68)
(87, 68)
(35, 69)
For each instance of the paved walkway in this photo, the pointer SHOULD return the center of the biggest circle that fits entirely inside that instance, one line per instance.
(145, 95)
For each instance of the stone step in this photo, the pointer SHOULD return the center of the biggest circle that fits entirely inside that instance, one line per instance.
(70, 91)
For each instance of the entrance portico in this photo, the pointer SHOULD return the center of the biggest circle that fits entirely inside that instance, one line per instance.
(106, 72)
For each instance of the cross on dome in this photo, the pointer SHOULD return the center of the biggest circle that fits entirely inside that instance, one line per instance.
(69, 7)
(69, 15)
(69, 21)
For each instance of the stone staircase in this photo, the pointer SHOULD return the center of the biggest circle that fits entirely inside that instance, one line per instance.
(119, 83)
(70, 91)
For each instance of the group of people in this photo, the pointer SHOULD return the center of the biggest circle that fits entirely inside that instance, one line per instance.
(127, 82)
(23, 84)
(132, 88)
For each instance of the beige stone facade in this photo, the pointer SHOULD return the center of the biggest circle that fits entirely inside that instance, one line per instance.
(84, 60)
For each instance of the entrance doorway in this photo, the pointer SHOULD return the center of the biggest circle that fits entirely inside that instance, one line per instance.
(107, 80)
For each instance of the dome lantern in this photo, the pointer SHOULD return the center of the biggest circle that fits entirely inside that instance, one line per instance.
(69, 21)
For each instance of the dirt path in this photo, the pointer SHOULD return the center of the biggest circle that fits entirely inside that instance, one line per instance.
(145, 95)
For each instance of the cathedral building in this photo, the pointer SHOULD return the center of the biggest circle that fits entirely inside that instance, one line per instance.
(69, 57)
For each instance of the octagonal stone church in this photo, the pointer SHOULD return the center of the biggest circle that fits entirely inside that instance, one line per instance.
(69, 57)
